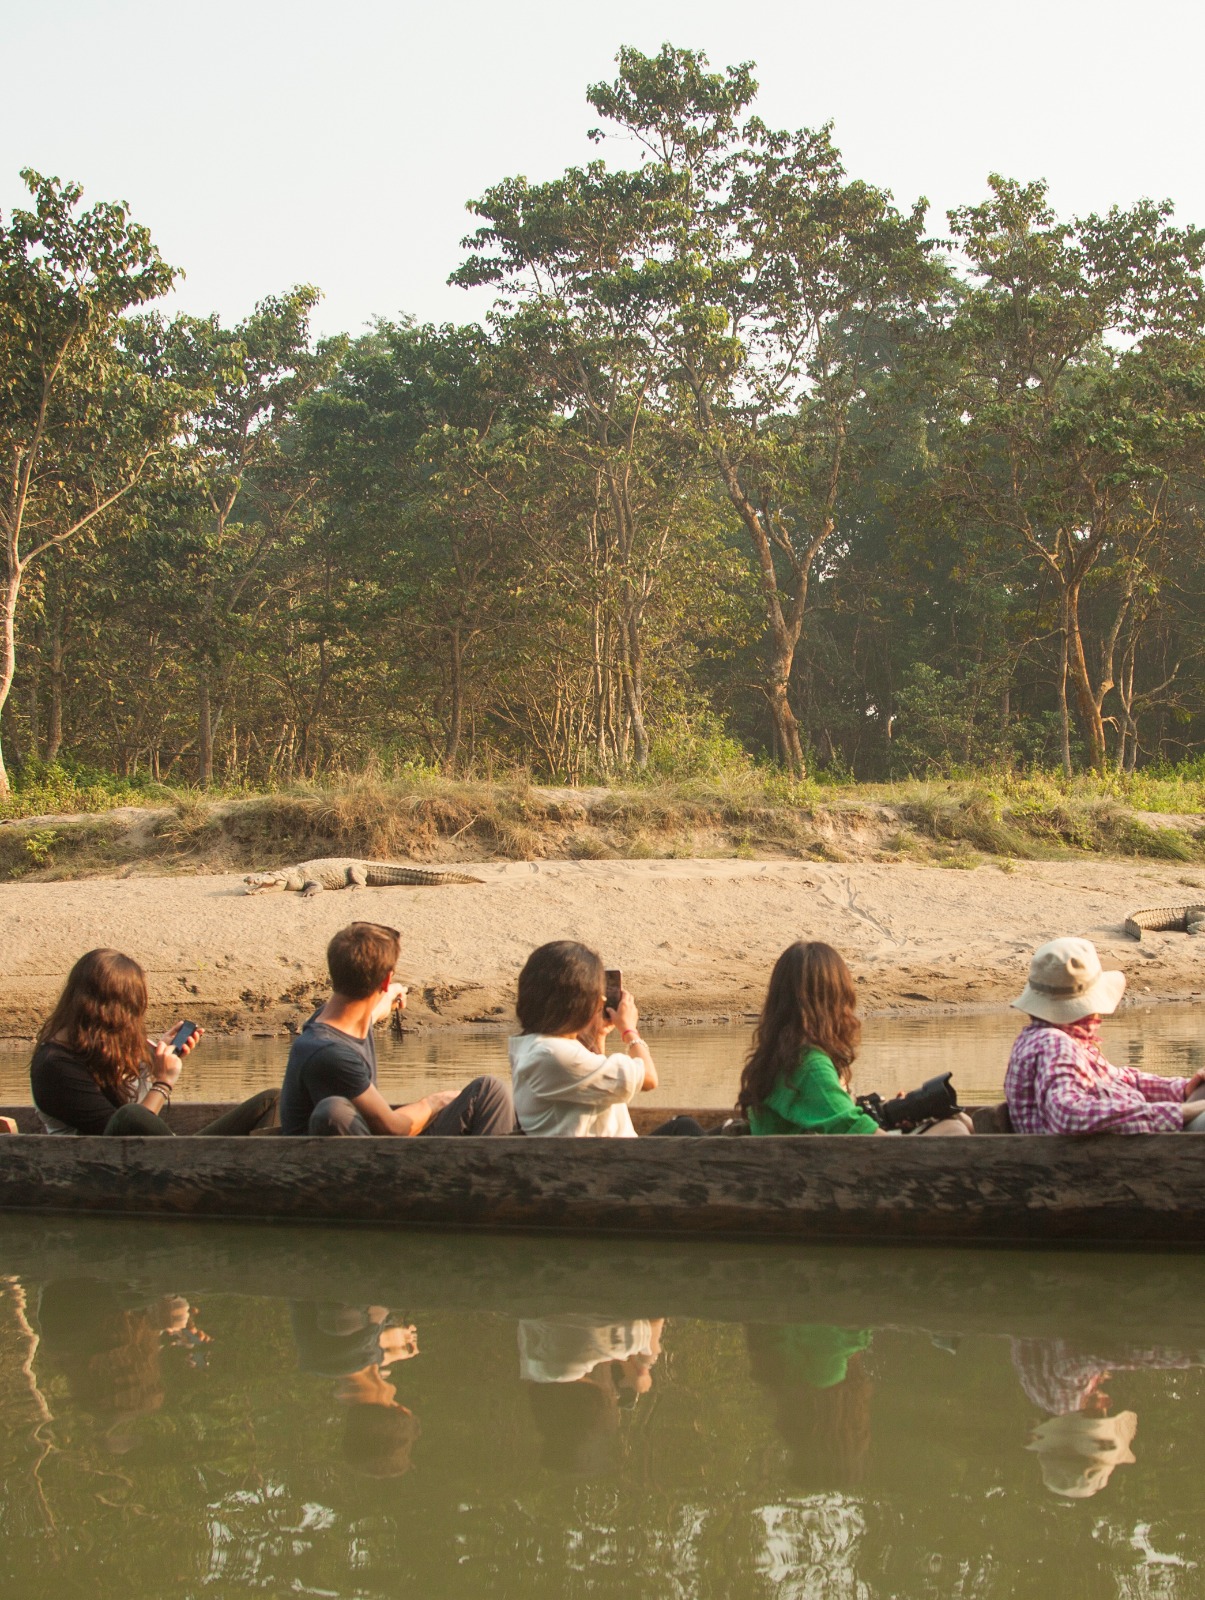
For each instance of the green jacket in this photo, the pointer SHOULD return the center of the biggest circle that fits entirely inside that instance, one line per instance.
(812, 1099)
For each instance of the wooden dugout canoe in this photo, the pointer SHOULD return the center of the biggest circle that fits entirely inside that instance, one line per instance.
(1143, 1189)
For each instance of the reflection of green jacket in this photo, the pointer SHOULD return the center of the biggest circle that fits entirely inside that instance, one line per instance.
(817, 1353)
(812, 1099)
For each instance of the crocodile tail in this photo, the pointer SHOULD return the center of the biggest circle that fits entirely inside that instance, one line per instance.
(414, 877)
(1159, 919)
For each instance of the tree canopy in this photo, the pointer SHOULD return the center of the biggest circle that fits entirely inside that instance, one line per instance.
(744, 455)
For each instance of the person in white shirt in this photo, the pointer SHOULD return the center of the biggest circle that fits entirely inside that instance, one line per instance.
(564, 1086)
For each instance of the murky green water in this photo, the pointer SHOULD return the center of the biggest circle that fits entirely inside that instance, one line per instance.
(191, 1410)
(699, 1066)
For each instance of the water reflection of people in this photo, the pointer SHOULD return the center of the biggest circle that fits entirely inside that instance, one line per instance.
(1080, 1444)
(111, 1350)
(580, 1373)
(357, 1345)
(816, 1375)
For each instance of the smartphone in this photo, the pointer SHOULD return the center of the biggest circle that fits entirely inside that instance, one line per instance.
(183, 1034)
(614, 979)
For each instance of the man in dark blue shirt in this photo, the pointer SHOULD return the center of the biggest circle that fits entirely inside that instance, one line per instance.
(330, 1084)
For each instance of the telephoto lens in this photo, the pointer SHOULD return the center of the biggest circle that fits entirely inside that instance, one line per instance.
(934, 1100)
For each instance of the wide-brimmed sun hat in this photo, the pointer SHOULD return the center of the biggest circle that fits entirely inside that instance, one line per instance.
(1078, 1453)
(1067, 982)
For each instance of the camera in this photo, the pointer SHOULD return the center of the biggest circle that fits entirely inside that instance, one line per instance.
(935, 1099)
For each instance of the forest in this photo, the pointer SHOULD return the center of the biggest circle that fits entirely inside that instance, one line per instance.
(745, 462)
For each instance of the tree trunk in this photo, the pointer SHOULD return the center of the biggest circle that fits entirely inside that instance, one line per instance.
(456, 688)
(8, 656)
(54, 732)
(785, 722)
(1064, 715)
(784, 622)
(631, 669)
(35, 710)
(1087, 701)
(204, 729)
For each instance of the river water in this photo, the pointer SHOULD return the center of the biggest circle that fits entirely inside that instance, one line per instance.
(698, 1066)
(189, 1409)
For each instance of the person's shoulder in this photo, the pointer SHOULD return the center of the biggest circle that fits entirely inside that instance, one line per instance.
(318, 1041)
(814, 1059)
(1040, 1046)
(1046, 1038)
(526, 1048)
(50, 1056)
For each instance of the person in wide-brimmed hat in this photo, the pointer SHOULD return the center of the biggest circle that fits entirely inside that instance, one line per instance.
(1058, 1079)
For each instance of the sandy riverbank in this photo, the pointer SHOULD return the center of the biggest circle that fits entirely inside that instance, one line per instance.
(694, 937)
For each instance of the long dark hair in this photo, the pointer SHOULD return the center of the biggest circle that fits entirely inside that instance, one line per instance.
(811, 1002)
(101, 1017)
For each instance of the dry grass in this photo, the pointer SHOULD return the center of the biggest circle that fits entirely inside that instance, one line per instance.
(427, 819)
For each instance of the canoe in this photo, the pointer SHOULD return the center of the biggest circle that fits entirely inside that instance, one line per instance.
(1145, 1189)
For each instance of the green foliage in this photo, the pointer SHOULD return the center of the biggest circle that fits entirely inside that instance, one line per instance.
(746, 490)
(59, 788)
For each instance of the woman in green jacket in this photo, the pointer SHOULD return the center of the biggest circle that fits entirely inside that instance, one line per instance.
(796, 1079)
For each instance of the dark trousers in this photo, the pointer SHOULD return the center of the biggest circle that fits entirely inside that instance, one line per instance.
(482, 1109)
(134, 1121)
(681, 1127)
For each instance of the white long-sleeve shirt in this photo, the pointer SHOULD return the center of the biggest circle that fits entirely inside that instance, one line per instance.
(562, 1089)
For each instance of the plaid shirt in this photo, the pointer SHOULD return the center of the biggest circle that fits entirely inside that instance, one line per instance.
(1060, 1378)
(1058, 1081)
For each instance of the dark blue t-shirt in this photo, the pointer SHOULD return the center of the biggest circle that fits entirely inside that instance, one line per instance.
(323, 1061)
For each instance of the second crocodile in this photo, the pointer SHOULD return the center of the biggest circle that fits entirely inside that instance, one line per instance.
(1166, 919)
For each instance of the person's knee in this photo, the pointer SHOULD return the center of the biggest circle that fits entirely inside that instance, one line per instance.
(950, 1128)
(492, 1091)
(336, 1118)
(264, 1107)
(493, 1105)
(135, 1122)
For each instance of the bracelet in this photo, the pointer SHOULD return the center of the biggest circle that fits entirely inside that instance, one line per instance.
(165, 1089)
(630, 1036)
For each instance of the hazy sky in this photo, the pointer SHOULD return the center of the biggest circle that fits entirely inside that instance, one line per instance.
(271, 142)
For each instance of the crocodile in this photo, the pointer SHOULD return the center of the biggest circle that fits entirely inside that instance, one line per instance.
(343, 872)
(1166, 919)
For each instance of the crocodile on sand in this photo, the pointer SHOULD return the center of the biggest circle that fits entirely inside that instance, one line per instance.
(1166, 919)
(338, 872)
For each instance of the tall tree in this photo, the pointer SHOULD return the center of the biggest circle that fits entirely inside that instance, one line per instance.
(82, 412)
(571, 257)
(251, 377)
(776, 277)
(1078, 406)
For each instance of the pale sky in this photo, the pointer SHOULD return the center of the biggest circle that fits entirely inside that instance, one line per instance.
(272, 142)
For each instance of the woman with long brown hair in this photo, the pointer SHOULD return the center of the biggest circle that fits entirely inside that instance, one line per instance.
(95, 1071)
(797, 1077)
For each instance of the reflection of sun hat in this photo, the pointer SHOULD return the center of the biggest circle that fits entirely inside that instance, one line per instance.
(1066, 983)
(1080, 1451)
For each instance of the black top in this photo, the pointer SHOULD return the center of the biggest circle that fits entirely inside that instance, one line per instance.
(63, 1088)
(323, 1061)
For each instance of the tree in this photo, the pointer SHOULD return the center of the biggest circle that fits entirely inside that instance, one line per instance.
(82, 413)
(250, 379)
(1078, 407)
(575, 257)
(775, 279)
(421, 444)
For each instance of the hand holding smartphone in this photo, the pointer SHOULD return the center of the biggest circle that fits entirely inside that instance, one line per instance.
(182, 1036)
(614, 987)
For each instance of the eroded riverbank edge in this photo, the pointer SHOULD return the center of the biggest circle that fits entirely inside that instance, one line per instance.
(696, 938)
